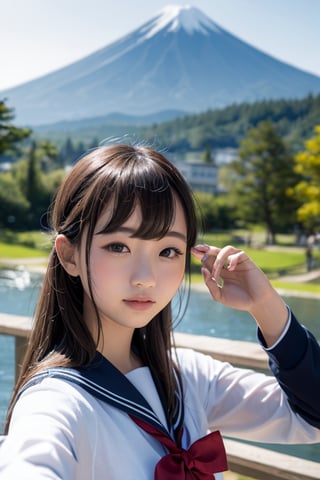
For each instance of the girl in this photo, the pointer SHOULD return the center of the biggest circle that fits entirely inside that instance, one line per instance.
(102, 393)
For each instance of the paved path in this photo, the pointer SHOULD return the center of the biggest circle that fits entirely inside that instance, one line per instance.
(303, 277)
(35, 264)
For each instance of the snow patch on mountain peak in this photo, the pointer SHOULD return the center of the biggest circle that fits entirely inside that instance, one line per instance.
(175, 17)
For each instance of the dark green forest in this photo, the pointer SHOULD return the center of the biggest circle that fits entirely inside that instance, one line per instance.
(293, 119)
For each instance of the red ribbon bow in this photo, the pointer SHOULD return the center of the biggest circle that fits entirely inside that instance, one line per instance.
(204, 457)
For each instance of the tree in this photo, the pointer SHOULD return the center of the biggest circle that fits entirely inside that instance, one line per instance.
(33, 185)
(26, 192)
(264, 173)
(308, 189)
(14, 205)
(215, 212)
(207, 156)
(48, 156)
(9, 134)
(27, 189)
(27, 173)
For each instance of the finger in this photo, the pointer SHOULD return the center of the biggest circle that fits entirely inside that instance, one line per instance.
(199, 251)
(226, 260)
(214, 287)
(208, 260)
(234, 259)
(206, 254)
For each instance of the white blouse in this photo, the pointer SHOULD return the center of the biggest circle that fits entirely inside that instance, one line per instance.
(60, 431)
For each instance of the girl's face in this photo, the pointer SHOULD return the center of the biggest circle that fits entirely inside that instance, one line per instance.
(132, 279)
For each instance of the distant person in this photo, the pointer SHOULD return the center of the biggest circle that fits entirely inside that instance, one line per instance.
(103, 393)
(309, 252)
(309, 257)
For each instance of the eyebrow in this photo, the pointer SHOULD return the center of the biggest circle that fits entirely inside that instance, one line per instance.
(132, 231)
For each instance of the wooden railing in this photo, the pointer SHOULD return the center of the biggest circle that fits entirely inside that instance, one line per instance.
(255, 462)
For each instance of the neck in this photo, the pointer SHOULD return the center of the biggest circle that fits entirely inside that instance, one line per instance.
(114, 341)
(115, 345)
(124, 360)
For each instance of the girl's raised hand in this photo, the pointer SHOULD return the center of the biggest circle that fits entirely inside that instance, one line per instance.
(232, 277)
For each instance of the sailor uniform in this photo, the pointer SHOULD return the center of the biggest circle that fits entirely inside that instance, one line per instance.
(60, 429)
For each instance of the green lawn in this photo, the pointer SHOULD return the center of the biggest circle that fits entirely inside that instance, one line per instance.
(278, 262)
(9, 251)
(274, 263)
(24, 244)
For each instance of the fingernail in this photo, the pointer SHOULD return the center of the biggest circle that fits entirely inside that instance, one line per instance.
(202, 246)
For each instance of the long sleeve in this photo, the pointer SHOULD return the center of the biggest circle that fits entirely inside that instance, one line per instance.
(245, 404)
(295, 362)
(48, 437)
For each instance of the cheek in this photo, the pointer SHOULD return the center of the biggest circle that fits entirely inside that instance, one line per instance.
(173, 282)
(180, 272)
(104, 269)
(174, 276)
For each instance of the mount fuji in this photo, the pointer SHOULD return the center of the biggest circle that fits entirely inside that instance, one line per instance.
(178, 60)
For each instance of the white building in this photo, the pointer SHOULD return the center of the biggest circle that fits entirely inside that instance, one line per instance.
(202, 177)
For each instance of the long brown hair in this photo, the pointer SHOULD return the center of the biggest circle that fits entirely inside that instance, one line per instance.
(127, 176)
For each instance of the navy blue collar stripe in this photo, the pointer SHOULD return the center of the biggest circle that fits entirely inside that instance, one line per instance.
(73, 374)
(99, 392)
(178, 412)
(104, 381)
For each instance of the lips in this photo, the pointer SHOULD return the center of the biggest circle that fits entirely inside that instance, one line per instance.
(139, 303)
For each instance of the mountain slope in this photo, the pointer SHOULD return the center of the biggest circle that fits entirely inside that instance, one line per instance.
(180, 59)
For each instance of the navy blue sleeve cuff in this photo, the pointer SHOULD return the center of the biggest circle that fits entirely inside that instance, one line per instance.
(294, 361)
(289, 351)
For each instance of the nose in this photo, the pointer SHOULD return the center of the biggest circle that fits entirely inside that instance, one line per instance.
(143, 274)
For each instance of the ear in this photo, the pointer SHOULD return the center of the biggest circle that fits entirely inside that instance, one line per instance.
(68, 255)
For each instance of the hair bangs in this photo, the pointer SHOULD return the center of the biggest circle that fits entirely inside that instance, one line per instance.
(140, 186)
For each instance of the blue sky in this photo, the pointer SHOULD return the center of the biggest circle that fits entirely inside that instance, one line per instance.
(40, 36)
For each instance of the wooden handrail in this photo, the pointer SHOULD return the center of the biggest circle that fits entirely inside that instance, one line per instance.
(264, 464)
(256, 462)
(19, 327)
(244, 354)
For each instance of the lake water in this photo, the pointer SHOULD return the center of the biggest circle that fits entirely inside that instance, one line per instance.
(202, 317)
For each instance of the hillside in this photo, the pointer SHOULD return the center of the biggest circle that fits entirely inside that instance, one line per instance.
(294, 119)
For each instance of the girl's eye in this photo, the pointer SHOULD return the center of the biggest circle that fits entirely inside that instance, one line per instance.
(170, 252)
(117, 248)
